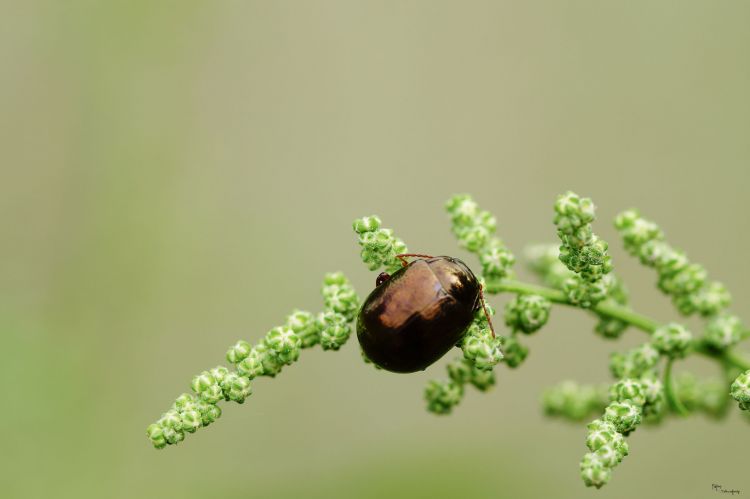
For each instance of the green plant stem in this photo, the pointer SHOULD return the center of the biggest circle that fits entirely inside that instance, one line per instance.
(615, 311)
(672, 399)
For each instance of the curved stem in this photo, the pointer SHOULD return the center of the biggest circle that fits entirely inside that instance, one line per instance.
(672, 399)
(615, 311)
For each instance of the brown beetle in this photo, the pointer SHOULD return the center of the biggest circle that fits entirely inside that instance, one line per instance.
(412, 318)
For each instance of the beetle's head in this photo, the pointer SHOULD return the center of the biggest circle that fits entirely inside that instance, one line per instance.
(382, 277)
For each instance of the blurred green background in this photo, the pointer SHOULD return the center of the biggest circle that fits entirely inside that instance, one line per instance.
(179, 175)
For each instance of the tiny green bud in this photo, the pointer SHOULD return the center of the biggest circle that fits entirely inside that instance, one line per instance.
(594, 472)
(155, 433)
(514, 353)
(527, 313)
(303, 325)
(238, 351)
(625, 416)
(252, 366)
(334, 330)
(442, 396)
(672, 339)
(723, 331)
(628, 390)
(236, 387)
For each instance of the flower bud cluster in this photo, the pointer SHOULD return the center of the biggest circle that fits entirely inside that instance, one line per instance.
(379, 246)
(684, 281)
(582, 251)
(475, 231)
(280, 347)
(527, 313)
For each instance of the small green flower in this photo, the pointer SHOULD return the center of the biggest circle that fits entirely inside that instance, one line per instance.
(527, 313)
(483, 351)
(652, 388)
(482, 380)
(252, 366)
(173, 436)
(239, 351)
(627, 389)
(209, 412)
(608, 455)
(603, 433)
(460, 370)
(339, 296)
(334, 330)
(610, 328)
(272, 365)
(442, 396)
(191, 420)
(740, 390)
(711, 299)
(625, 416)
(672, 339)
(593, 471)
(514, 353)
(155, 433)
(236, 387)
(303, 325)
(635, 362)
(723, 331)
(282, 340)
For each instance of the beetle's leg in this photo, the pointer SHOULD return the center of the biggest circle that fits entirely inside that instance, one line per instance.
(484, 307)
(402, 257)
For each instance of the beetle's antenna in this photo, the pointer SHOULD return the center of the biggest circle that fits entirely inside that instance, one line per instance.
(403, 256)
(484, 307)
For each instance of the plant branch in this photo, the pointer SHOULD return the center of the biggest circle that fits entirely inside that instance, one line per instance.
(616, 311)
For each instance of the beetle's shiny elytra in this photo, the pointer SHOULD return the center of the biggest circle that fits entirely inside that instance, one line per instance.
(413, 318)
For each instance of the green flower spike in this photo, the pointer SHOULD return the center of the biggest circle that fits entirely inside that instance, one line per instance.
(582, 252)
(379, 246)
(475, 229)
(672, 340)
(684, 281)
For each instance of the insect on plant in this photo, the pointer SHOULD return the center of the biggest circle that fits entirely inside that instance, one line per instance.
(420, 310)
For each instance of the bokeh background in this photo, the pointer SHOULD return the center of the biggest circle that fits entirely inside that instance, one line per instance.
(179, 175)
